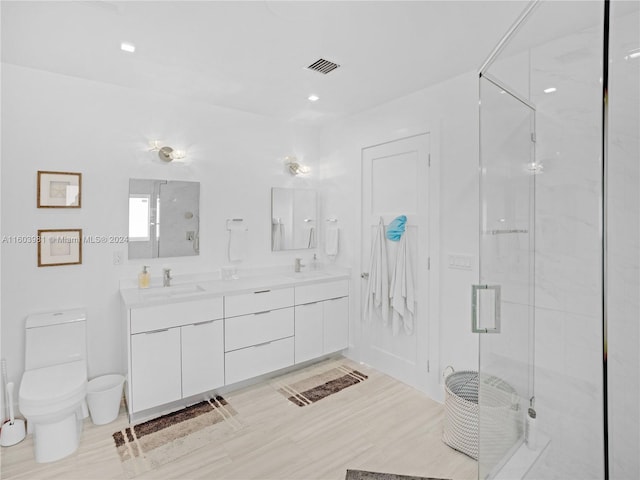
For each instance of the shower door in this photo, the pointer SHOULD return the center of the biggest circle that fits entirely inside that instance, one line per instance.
(503, 300)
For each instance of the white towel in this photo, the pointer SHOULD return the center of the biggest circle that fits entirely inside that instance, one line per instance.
(237, 244)
(331, 242)
(311, 237)
(377, 295)
(402, 291)
(278, 234)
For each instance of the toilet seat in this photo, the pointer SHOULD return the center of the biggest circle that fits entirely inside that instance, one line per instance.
(54, 388)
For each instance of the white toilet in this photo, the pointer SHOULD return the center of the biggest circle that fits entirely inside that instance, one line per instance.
(54, 385)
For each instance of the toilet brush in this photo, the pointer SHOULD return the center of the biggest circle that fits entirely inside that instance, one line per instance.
(13, 430)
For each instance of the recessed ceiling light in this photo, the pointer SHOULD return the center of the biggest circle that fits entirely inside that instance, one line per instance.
(127, 47)
(314, 98)
(549, 90)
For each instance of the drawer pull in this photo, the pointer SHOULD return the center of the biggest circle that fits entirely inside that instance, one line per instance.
(156, 331)
(262, 291)
(203, 323)
(262, 313)
(262, 344)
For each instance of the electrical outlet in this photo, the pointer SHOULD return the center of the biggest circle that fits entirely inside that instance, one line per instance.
(117, 257)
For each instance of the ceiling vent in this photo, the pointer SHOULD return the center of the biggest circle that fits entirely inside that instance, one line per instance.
(323, 66)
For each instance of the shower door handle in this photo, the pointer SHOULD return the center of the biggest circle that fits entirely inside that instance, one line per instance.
(485, 308)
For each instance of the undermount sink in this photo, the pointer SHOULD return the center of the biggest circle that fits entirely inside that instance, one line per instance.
(175, 291)
(308, 274)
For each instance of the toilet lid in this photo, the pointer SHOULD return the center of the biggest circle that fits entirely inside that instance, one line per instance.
(54, 384)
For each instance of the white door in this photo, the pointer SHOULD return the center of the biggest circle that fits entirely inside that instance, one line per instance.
(395, 180)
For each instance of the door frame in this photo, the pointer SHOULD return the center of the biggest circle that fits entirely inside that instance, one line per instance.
(431, 384)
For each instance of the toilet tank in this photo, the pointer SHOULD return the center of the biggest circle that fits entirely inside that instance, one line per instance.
(55, 338)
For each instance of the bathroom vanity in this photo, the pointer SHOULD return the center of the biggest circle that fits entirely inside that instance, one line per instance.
(185, 341)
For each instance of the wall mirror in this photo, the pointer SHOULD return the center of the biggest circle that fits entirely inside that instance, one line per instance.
(164, 218)
(294, 214)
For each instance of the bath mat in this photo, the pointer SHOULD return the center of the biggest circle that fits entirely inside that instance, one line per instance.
(310, 390)
(363, 475)
(146, 446)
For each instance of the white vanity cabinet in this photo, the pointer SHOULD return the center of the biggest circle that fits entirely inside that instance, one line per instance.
(309, 331)
(259, 329)
(202, 357)
(180, 347)
(321, 319)
(156, 375)
(175, 351)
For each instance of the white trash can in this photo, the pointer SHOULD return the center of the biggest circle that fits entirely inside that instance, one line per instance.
(103, 397)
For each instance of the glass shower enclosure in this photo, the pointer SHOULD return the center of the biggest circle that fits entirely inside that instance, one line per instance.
(557, 302)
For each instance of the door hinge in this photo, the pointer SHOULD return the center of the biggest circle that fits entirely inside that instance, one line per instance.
(428, 263)
(428, 367)
(429, 160)
(533, 137)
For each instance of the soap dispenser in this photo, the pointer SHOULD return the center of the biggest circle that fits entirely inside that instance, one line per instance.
(144, 278)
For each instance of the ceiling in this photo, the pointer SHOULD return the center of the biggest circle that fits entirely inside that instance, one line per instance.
(252, 56)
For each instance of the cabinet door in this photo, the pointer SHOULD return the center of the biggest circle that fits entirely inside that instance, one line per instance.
(308, 337)
(202, 357)
(155, 368)
(336, 324)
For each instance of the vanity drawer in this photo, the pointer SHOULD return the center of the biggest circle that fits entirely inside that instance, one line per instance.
(253, 361)
(261, 300)
(157, 317)
(321, 291)
(247, 330)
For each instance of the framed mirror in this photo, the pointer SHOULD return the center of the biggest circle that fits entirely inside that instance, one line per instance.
(164, 218)
(294, 214)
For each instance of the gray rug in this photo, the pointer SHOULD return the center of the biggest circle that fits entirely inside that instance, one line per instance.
(362, 475)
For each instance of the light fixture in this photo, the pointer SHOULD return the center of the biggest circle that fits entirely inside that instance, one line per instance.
(127, 47)
(166, 153)
(313, 98)
(550, 90)
(294, 167)
(534, 168)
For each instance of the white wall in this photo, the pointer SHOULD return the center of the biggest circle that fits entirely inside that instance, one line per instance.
(450, 112)
(54, 122)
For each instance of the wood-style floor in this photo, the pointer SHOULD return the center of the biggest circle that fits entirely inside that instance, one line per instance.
(378, 425)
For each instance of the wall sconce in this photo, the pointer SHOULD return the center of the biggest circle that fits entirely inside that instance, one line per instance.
(166, 153)
(294, 167)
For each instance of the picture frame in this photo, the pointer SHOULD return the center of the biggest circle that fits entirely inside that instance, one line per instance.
(61, 246)
(59, 189)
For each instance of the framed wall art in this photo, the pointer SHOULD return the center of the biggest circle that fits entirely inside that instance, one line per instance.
(59, 247)
(59, 189)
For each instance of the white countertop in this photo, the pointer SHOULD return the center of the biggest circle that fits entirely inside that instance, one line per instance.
(199, 286)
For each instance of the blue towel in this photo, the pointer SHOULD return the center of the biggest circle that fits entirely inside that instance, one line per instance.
(396, 228)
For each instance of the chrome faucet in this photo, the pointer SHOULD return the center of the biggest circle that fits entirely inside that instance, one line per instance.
(298, 265)
(166, 278)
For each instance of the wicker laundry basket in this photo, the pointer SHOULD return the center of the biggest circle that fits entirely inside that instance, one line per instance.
(501, 418)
